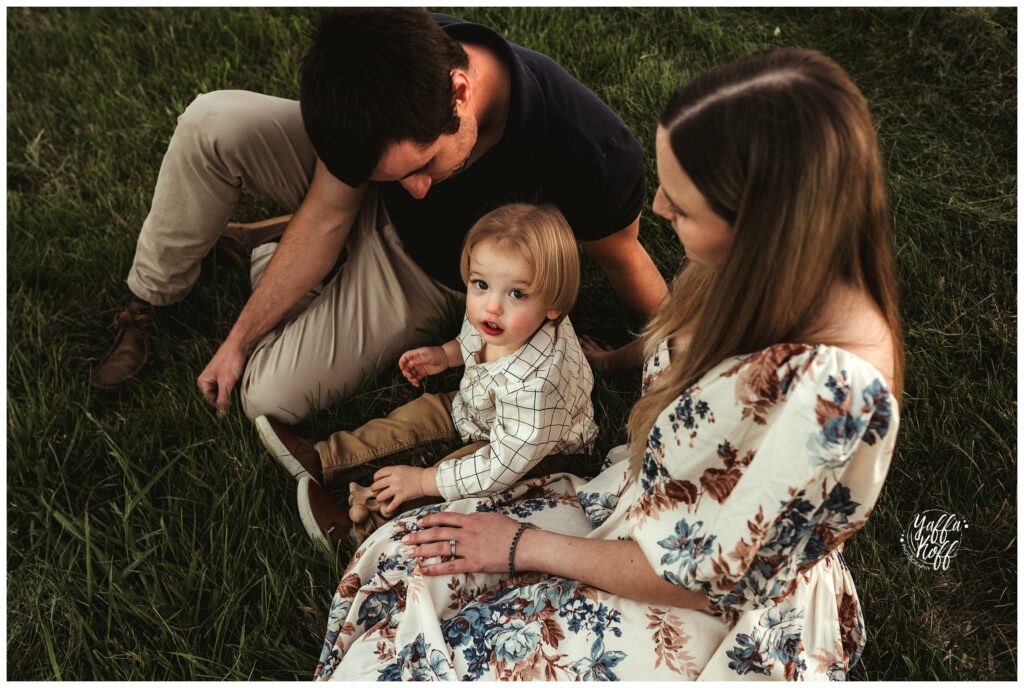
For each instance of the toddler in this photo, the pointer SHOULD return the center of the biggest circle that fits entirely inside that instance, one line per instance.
(524, 395)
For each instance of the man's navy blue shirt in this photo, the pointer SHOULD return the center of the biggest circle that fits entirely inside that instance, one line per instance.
(561, 145)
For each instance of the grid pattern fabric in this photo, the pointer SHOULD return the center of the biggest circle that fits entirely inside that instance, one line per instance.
(528, 404)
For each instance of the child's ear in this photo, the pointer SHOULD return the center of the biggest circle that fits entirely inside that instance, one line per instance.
(553, 314)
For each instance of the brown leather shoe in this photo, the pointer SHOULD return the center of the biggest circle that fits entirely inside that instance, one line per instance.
(324, 521)
(297, 455)
(240, 239)
(130, 350)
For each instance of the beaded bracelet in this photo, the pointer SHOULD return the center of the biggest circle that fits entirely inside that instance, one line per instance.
(512, 549)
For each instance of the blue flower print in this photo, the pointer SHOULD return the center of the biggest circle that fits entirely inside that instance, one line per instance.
(335, 617)
(553, 592)
(687, 412)
(598, 666)
(515, 640)
(598, 506)
(389, 563)
(687, 548)
(840, 432)
(747, 657)
(461, 628)
(582, 615)
(777, 639)
(391, 672)
(876, 396)
(420, 662)
(652, 471)
(839, 392)
(376, 607)
(478, 660)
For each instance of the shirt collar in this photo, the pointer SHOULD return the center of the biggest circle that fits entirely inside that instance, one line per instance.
(519, 364)
(524, 129)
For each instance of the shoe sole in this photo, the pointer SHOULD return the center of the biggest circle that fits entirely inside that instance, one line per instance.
(280, 453)
(309, 521)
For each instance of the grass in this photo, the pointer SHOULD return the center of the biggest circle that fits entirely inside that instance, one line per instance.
(145, 540)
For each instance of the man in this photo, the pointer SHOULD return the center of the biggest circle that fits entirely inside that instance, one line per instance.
(408, 128)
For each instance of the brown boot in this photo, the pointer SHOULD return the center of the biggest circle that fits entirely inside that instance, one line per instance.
(240, 239)
(324, 521)
(295, 454)
(130, 350)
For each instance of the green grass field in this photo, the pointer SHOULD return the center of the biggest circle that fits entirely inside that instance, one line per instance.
(146, 540)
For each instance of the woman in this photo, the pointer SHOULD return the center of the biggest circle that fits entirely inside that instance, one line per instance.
(709, 546)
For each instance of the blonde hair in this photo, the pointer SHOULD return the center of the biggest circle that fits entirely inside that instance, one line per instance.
(542, 236)
(782, 147)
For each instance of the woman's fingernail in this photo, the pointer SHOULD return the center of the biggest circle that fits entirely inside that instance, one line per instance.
(405, 538)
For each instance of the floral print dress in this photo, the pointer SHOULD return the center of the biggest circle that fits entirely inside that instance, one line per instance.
(750, 482)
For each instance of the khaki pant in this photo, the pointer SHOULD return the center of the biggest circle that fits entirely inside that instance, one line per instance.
(379, 304)
(427, 418)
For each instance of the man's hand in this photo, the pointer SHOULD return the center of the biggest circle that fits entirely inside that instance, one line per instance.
(418, 364)
(608, 359)
(397, 484)
(220, 376)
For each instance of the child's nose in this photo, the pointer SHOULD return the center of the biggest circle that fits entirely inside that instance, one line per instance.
(494, 305)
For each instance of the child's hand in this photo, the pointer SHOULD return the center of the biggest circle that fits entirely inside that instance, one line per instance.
(418, 364)
(397, 484)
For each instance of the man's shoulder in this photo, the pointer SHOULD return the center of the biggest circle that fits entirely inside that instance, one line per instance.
(574, 113)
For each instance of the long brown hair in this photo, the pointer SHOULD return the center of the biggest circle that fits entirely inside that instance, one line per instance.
(782, 147)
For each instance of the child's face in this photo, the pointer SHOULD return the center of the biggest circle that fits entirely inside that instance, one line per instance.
(497, 301)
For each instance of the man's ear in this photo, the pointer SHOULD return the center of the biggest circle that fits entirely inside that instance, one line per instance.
(460, 85)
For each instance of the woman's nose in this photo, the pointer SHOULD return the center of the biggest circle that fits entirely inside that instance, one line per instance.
(658, 204)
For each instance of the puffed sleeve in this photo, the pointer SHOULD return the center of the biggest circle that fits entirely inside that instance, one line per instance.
(760, 470)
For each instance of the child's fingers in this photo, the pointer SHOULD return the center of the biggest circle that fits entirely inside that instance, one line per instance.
(386, 495)
(378, 485)
(392, 506)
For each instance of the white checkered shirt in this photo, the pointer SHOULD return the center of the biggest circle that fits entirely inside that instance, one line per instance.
(528, 404)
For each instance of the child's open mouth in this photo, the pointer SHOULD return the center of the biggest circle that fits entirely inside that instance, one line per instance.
(491, 328)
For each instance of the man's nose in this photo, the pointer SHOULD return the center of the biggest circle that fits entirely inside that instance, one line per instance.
(417, 185)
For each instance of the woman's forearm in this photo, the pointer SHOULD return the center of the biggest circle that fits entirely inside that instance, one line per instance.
(615, 566)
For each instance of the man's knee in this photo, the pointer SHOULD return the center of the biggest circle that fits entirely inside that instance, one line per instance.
(217, 121)
(275, 398)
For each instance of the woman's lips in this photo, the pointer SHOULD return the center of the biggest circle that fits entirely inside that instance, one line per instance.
(491, 329)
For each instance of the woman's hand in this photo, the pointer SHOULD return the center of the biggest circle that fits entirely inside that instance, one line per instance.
(419, 364)
(482, 542)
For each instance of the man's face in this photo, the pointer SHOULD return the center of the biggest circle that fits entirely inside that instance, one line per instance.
(417, 167)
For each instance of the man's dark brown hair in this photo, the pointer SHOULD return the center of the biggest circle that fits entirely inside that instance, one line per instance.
(374, 76)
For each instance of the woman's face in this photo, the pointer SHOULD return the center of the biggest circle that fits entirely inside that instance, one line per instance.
(705, 235)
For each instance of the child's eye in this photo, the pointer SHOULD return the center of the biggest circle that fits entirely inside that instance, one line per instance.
(479, 284)
(517, 294)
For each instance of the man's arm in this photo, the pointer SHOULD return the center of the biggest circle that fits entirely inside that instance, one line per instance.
(308, 250)
(630, 269)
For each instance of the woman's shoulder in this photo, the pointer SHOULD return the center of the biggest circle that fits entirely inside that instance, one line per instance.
(778, 371)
